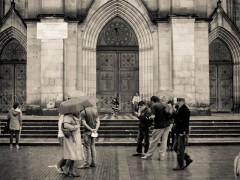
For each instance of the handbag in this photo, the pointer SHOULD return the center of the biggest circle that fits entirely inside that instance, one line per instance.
(66, 132)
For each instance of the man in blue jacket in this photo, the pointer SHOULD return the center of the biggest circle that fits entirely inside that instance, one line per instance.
(182, 133)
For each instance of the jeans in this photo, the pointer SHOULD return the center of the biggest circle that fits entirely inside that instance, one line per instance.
(157, 134)
(180, 144)
(89, 143)
(17, 134)
(143, 134)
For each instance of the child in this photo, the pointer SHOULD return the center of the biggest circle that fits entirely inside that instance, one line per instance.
(115, 107)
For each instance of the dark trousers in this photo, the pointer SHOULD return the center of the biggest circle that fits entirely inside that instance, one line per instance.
(179, 147)
(143, 134)
(170, 140)
(17, 133)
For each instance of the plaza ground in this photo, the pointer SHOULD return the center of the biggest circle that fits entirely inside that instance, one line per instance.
(117, 163)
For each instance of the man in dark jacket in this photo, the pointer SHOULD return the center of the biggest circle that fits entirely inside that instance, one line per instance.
(182, 133)
(144, 123)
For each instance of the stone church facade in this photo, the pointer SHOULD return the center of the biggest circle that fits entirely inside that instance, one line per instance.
(115, 48)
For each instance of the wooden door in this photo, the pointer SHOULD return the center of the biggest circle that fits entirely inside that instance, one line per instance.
(221, 88)
(12, 76)
(117, 76)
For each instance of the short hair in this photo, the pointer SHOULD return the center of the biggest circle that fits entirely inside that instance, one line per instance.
(141, 103)
(181, 99)
(155, 99)
(15, 105)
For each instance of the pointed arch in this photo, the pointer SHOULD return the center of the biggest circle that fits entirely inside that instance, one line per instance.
(234, 47)
(91, 30)
(12, 33)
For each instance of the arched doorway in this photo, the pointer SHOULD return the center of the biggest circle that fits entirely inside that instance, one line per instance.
(12, 75)
(221, 77)
(117, 65)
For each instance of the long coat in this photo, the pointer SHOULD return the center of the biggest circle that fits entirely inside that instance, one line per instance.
(73, 148)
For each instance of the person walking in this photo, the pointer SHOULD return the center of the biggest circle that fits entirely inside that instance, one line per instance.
(63, 161)
(91, 123)
(160, 115)
(182, 133)
(15, 124)
(73, 149)
(143, 115)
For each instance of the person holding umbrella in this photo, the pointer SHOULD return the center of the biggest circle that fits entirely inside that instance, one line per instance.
(72, 145)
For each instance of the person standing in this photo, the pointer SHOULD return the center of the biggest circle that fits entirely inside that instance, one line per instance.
(72, 145)
(182, 133)
(15, 124)
(160, 115)
(143, 115)
(136, 99)
(91, 123)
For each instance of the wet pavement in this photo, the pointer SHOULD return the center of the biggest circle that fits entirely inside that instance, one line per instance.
(117, 163)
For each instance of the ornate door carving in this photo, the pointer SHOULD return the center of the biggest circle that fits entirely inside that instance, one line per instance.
(12, 76)
(117, 76)
(117, 65)
(221, 77)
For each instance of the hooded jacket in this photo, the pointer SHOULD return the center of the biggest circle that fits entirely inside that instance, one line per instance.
(15, 117)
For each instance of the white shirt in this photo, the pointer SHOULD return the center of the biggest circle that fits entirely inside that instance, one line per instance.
(136, 99)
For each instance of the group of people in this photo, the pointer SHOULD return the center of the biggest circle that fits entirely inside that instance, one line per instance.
(166, 119)
(162, 114)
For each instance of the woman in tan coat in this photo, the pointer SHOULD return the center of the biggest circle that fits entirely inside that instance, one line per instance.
(73, 149)
(15, 123)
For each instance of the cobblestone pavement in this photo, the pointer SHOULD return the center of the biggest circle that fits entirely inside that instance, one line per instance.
(117, 163)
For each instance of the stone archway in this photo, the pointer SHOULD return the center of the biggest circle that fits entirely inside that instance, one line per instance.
(234, 48)
(221, 75)
(12, 75)
(117, 65)
(95, 22)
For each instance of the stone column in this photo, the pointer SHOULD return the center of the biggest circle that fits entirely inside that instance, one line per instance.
(183, 54)
(51, 67)
(33, 65)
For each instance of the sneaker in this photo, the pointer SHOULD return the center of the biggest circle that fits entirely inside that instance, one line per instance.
(59, 169)
(178, 168)
(188, 162)
(161, 158)
(92, 165)
(73, 174)
(11, 146)
(85, 166)
(17, 146)
(145, 157)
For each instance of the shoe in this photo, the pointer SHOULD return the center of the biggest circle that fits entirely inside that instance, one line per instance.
(59, 169)
(188, 162)
(17, 146)
(161, 158)
(11, 146)
(73, 174)
(145, 157)
(85, 166)
(178, 168)
(137, 154)
(92, 165)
